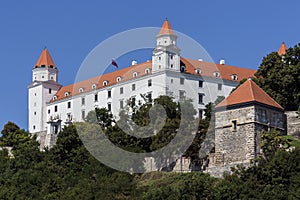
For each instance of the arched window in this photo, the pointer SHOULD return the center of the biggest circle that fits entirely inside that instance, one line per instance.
(147, 71)
(80, 90)
(119, 78)
(54, 97)
(217, 74)
(105, 83)
(135, 74)
(66, 94)
(94, 86)
(234, 77)
(182, 69)
(198, 71)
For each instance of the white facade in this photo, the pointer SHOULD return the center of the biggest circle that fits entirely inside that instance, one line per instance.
(164, 76)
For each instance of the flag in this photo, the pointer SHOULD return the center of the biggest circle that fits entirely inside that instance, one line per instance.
(114, 63)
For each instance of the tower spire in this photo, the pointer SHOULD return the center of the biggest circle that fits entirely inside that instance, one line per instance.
(45, 60)
(166, 28)
(282, 49)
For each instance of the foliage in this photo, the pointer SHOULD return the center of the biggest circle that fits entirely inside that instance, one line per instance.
(68, 171)
(279, 76)
(272, 141)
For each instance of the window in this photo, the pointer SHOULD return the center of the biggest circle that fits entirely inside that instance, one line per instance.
(149, 82)
(171, 80)
(198, 71)
(181, 94)
(83, 114)
(181, 81)
(219, 86)
(80, 90)
(48, 111)
(118, 79)
(66, 94)
(234, 77)
(69, 104)
(159, 67)
(109, 94)
(50, 90)
(34, 113)
(171, 65)
(159, 58)
(216, 74)
(147, 71)
(96, 97)
(200, 114)
(132, 101)
(171, 57)
(105, 83)
(149, 97)
(43, 77)
(133, 87)
(34, 104)
(94, 86)
(182, 69)
(55, 108)
(121, 104)
(33, 127)
(82, 101)
(200, 83)
(54, 97)
(200, 98)
(34, 94)
(69, 117)
(135, 74)
(234, 125)
(121, 90)
(109, 106)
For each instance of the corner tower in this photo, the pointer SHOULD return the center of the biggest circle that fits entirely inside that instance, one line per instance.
(166, 54)
(44, 85)
(240, 119)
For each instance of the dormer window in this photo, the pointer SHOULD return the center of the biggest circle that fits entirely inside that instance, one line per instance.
(105, 83)
(182, 69)
(135, 74)
(54, 97)
(66, 94)
(119, 78)
(94, 86)
(217, 74)
(80, 90)
(198, 71)
(147, 71)
(234, 77)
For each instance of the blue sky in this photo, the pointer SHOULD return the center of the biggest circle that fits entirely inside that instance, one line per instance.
(241, 32)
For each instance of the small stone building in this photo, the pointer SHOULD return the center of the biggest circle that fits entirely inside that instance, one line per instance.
(240, 119)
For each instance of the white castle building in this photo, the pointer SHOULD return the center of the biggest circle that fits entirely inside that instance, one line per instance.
(52, 106)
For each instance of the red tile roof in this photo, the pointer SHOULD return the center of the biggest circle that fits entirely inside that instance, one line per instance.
(45, 60)
(282, 49)
(166, 28)
(248, 92)
(207, 69)
(111, 78)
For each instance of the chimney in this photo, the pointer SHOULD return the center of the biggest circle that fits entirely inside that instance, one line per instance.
(134, 62)
(222, 62)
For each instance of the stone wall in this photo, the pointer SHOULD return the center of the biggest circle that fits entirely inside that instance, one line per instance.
(293, 124)
(46, 140)
(235, 145)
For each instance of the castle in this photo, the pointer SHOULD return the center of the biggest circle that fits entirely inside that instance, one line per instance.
(52, 106)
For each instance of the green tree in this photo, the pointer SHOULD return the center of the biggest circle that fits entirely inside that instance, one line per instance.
(279, 76)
